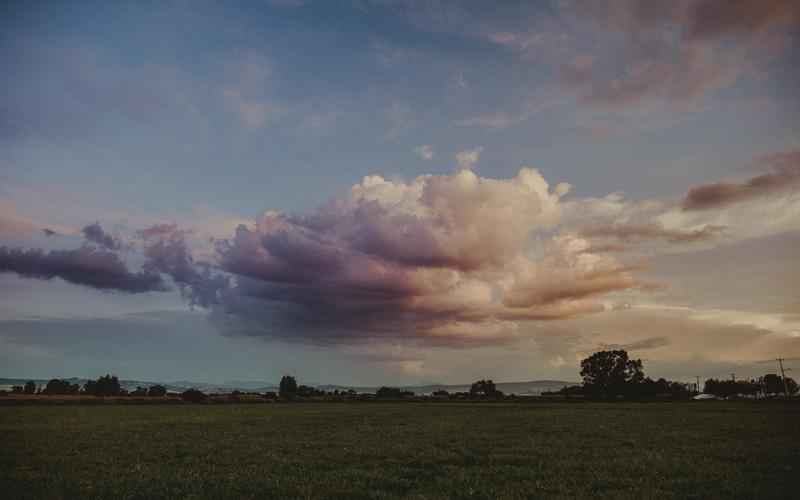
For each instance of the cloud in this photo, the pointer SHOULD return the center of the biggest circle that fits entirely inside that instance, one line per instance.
(785, 177)
(158, 231)
(496, 120)
(87, 266)
(469, 157)
(440, 259)
(247, 91)
(639, 345)
(166, 251)
(717, 18)
(650, 231)
(95, 234)
(14, 226)
(287, 4)
(93, 86)
(709, 215)
(425, 151)
(674, 51)
(536, 102)
(253, 112)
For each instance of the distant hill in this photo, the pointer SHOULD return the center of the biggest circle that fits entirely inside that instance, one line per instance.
(532, 387)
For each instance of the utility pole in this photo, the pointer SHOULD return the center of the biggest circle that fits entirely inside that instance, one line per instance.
(733, 377)
(783, 377)
(697, 386)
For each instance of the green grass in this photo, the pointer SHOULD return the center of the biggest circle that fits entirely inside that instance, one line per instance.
(402, 450)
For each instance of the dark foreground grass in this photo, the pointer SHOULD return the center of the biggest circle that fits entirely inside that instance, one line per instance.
(402, 450)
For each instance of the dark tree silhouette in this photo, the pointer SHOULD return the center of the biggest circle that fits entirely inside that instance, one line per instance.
(193, 396)
(30, 387)
(157, 391)
(773, 384)
(730, 388)
(611, 374)
(107, 385)
(392, 393)
(483, 389)
(60, 387)
(792, 386)
(139, 392)
(288, 387)
(308, 391)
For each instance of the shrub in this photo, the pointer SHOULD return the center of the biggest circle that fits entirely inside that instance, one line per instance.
(157, 391)
(193, 396)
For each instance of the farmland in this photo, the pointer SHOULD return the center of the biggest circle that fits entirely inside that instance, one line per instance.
(401, 450)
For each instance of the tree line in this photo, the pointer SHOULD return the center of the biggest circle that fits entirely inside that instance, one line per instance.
(614, 375)
(107, 385)
(606, 375)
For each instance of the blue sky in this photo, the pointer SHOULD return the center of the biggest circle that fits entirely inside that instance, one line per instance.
(205, 115)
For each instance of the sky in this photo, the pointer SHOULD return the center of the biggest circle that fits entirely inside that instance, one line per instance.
(396, 191)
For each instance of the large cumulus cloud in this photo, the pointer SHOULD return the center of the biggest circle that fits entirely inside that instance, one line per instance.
(166, 251)
(451, 259)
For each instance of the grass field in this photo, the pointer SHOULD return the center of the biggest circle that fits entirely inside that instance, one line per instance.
(402, 450)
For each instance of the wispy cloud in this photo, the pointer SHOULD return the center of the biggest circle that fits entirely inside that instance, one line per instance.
(469, 157)
(785, 177)
(652, 230)
(425, 151)
(675, 51)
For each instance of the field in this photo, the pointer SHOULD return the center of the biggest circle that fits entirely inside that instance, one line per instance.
(707, 450)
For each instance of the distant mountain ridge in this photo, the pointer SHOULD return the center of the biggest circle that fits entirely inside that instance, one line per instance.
(531, 387)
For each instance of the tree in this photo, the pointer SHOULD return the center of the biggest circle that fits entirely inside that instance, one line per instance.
(773, 384)
(157, 391)
(308, 391)
(392, 393)
(30, 387)
(792, 386)
(483, 389)
(60, 387)
(107, 385)
(193, 396)
(139, 392)
(730, 388)
(288, 387)
(611, 373)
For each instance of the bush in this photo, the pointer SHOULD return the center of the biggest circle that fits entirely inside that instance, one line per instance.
(157, 391)
(288, 387)
(60, 387)
(107, 385)
(139, 392)
(392, 393)
(484, 389)
(193, 396)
